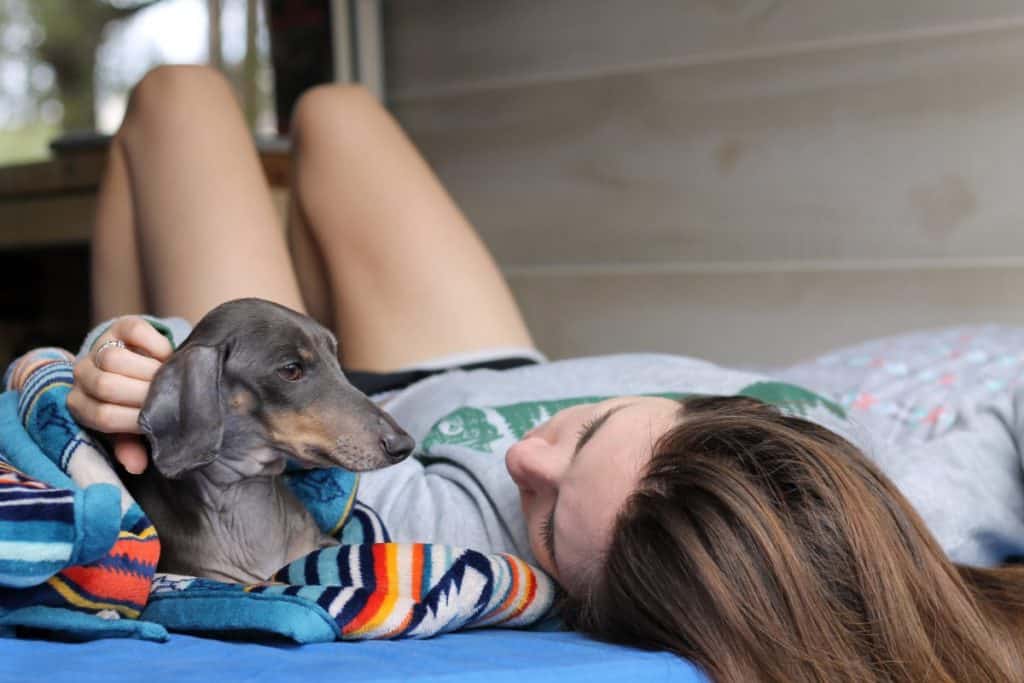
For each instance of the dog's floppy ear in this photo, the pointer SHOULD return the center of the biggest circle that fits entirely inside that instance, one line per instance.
(183, 415)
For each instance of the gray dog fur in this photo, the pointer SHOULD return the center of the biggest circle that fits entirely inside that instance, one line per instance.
(222, 417)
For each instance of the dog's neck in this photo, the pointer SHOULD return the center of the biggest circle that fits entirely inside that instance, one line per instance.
(256, 525)
(226, 521)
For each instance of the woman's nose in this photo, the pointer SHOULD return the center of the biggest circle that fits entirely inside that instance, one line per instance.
(533, 464)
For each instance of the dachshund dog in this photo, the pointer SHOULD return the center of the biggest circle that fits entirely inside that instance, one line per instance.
(254, 385)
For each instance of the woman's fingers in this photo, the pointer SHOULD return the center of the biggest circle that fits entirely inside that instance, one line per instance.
(109, 418)
(111, 387)
(112, 381)
(130, 452)
(137, 334)
(126, 362)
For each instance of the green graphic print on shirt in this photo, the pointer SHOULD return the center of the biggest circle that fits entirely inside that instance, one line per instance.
(479, 429)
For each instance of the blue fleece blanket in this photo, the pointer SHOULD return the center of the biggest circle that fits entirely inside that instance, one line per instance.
(78, 557)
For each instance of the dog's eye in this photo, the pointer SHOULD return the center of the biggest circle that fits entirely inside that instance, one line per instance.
(291, 372)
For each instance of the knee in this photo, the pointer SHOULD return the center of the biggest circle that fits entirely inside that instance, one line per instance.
(177, 94)
(333, 109)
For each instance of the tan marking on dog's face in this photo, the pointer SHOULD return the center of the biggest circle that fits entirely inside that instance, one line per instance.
(307, 355)
(307, 427)
(342, 440)
(241, 402)
(310, 429)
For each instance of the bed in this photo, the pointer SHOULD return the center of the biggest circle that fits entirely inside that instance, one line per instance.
(492, 656)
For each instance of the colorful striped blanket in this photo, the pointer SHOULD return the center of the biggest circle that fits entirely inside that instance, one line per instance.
(78, 556)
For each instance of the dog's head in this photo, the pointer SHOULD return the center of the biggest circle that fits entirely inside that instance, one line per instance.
(256, 383)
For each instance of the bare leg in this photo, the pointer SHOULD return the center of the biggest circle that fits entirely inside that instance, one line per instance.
(409, 278)
(310, 266)
(205, 228)
(116, 278)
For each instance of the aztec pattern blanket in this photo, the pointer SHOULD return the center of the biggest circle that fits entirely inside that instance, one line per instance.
(78, 556)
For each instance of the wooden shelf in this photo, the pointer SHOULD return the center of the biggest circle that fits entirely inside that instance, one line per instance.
(52, 202)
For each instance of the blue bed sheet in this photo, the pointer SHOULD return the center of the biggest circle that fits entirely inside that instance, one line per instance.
(490, 656)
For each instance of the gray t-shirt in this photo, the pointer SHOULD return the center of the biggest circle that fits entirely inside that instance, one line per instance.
(456, 490)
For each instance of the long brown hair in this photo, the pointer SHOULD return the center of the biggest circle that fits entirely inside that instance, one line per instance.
(764, 547)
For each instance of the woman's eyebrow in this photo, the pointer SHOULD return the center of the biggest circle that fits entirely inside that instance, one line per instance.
(591, 431)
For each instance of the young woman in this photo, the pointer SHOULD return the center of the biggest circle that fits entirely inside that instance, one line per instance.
(723, 516)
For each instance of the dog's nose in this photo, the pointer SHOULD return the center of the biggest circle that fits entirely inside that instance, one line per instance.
(397, 446)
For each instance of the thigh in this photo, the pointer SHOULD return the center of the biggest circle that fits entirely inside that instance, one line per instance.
(115, 277)
(409, 278)
(206, 228)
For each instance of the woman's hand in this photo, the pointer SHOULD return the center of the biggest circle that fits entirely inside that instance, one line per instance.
(111, 383)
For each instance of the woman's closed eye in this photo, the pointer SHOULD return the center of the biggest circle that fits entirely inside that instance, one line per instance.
(588, 428)
(547, 534)
(585, 430)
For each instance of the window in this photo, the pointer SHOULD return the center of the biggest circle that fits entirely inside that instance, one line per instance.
(70, 65)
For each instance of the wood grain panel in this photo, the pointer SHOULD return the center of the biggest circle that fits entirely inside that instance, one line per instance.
(908, 151)
(434, 45)
(66, 218)
(69, 174)
(47, 221)
(757, 319)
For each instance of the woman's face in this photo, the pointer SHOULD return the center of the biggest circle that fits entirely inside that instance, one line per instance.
(575, 471)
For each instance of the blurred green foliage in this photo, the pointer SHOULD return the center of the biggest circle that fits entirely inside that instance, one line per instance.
(72, 32)
(27, 143)
(63, 35)
(53, 46)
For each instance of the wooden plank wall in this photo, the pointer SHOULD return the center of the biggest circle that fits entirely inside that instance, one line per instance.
(750, 181)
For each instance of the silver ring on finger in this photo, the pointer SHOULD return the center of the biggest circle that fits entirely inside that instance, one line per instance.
(110, 343)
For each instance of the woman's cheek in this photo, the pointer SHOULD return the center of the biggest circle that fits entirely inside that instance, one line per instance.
(526, 499)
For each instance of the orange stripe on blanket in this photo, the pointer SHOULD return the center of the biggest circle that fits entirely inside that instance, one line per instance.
(415, 588)
(398, 630)
(382, 589)
(115, 583)
(512, 591)
(26, 368)
(144, 548)
(527, 600)
(12, 477)
(108, 584)
(524, 601)
(73, 597)
(387, 605)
